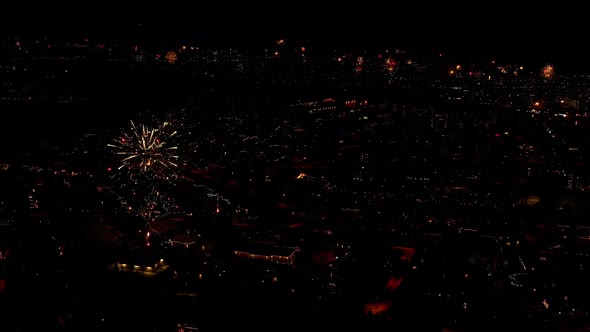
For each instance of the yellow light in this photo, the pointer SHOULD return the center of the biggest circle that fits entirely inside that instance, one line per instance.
(458, 67)
(537, 103)
(452, 72)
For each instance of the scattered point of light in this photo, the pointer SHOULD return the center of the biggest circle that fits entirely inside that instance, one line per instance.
(458, 67)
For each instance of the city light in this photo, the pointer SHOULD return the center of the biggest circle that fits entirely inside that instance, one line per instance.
(350, 176)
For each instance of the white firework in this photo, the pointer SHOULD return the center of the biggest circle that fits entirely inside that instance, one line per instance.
(146, 149)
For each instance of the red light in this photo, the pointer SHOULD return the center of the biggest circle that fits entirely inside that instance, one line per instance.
(497, 135)
(109, 169)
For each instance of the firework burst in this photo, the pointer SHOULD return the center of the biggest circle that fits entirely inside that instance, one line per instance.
(154, 205)
(548, 71)
(147, 150)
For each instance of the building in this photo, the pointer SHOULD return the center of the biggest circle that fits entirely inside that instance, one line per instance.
(145, 263)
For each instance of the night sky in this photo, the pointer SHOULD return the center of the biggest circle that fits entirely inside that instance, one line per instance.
(506, 30)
